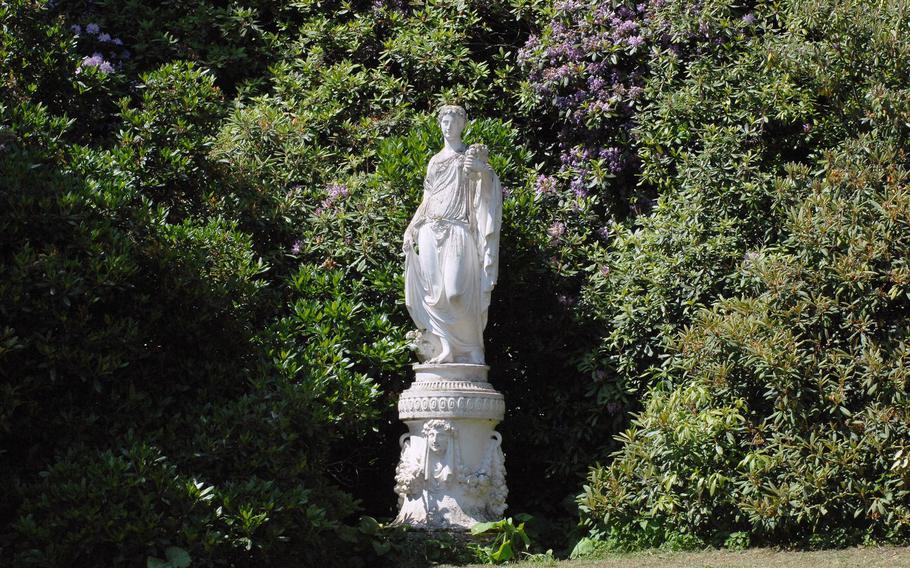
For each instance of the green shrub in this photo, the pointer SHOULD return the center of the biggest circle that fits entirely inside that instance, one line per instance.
(759, 308)
(785, 412)
(46, 67)
(131, 365)
(141, 335)
(128, 506)
(168, 135)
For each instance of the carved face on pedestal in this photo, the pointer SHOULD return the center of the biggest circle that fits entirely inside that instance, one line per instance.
(438, 440)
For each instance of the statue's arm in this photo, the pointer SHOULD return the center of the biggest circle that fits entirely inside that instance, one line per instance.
(489, 222)
(410, 234)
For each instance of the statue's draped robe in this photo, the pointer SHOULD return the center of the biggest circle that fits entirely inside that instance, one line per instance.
(451, 274)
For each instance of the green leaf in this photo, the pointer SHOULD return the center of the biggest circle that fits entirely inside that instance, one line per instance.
(504, 553)
(481, 528)
(585, 547)
(177, 557)
(381, 547)
(368, 525)
(524, 536)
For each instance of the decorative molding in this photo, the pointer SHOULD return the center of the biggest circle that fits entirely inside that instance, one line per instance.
(450, 385)
(451, 372)
(445, 405)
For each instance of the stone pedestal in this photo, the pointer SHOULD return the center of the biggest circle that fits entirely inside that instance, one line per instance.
(452, 472)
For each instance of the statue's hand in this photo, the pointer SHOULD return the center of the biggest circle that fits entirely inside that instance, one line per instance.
(408, 243)
(475, 165)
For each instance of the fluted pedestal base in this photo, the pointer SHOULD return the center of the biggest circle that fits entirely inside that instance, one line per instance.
(452, 472)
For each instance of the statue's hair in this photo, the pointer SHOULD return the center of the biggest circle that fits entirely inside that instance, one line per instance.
(439, 426)
(452, 109)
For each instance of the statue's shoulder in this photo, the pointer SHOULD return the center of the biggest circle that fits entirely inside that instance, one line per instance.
(444, 157)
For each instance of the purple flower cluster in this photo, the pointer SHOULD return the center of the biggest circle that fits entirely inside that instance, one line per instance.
(101, 41)
(334, 193)
(587, 67)
(572, 63)
(751, 257)
(557, 230)
(566, 300)
(545, 185)
(578, 186)
(97, 61)
(580, 160)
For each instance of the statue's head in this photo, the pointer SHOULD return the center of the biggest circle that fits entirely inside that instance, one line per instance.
(452, 120)
(439, 434)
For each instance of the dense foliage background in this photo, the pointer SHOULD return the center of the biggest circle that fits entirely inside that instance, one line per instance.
(702, 309)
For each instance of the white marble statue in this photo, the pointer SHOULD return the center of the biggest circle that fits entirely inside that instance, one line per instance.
(451, 474)
(452, 248)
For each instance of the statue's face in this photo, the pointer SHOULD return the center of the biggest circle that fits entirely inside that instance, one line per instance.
(438, 440)
(451, 126)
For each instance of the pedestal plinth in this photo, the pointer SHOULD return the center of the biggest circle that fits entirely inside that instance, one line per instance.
(451, 474)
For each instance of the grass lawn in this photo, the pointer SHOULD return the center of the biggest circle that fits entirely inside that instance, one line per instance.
(879, 557)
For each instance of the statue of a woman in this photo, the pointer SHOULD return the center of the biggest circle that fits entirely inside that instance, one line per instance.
(452, 247)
